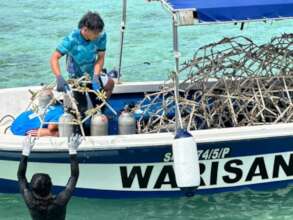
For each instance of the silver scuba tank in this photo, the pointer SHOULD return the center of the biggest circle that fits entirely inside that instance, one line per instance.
(99, 124)
(127, 123)
(65, 128)
(44, 98)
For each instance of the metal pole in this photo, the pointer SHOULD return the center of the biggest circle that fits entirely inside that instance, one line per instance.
(123, 24)
(175, 76)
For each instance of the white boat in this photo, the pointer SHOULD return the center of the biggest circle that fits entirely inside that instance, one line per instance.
(141, 165)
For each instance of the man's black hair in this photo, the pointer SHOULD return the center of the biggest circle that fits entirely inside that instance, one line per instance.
(41, 184)
(93, 21)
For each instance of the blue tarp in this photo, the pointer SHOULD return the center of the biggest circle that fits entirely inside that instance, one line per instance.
(235, 10)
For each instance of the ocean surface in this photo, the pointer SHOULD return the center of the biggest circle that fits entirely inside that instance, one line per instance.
(30, 31)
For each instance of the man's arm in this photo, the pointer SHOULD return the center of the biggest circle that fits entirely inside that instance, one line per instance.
(96, 83)
(27, 145)
(62, 85)
(52, 130)
(22, 181)
(63, 197)
(101, 52)
(55, 66)
(99, 63)
(63, 48)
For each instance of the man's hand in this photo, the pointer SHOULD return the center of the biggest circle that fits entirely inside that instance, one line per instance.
(73, 143)
(96, 83)
(62, 85)
(27, 145)
(33, 133)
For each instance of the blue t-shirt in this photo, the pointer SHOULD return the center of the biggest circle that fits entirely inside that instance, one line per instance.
(81, 54)
(29, 120)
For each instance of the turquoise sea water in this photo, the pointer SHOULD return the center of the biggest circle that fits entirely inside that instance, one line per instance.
(29, 33)
(244, 205)
(31, 29)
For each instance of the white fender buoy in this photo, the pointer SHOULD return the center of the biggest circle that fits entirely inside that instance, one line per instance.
(186, 165)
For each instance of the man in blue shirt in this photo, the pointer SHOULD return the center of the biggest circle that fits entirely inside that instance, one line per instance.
(85, 50)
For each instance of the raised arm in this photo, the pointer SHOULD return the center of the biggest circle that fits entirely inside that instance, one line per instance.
(63, 197)
(22, 181)
(27, 145)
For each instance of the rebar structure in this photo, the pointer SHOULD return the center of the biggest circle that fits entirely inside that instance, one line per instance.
(230, 83)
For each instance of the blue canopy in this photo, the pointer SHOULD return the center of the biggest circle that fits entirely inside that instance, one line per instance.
(234, 10)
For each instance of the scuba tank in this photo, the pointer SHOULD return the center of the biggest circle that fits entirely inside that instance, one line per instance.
(65, 129)
(127, 122)
(99, 124)
(44, 98)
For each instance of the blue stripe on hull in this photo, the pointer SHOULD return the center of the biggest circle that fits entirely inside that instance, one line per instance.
(156, 154)
(9, 186)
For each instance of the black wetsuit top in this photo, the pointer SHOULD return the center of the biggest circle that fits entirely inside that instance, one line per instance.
(50, 208)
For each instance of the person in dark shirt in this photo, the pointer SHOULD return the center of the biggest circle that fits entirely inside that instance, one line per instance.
(37, 195)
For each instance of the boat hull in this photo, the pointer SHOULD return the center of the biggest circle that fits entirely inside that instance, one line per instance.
(147, 171)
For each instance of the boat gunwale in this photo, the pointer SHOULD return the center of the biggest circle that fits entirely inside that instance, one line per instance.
(114, 142)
